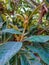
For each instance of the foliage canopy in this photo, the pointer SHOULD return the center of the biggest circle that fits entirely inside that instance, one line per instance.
(24, 32)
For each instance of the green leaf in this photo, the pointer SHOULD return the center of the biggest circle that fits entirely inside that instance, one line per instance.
(46, 47)
(1, 22)
(32, 49)
(42, 53)
(8, 63)
(37, 48)
(24, 60)
(8, 50)
(14, 60)
(40, 39)
(47, 16)
(12, 31)
(47, 1)
(34, 60)
(36, 63)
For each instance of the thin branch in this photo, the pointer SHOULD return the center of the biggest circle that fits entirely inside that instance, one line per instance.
(29, 1)
(34, 3)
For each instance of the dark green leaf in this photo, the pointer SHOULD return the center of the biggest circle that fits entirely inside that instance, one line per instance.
(46, 47)
(1, 20)
(34, 60)
(32, 49)
(47, 1)
(14, 60)
(24, 60)
(42, 53)
(47, 16)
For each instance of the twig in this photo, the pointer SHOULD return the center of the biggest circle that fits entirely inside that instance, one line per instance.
(36, 10)
(34, 3)
(25, 26)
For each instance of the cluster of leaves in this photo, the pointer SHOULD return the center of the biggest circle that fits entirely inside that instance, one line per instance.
(21, 29)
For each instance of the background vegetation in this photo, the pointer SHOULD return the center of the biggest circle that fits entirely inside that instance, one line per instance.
(24, 32)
